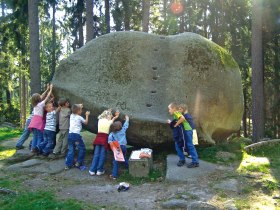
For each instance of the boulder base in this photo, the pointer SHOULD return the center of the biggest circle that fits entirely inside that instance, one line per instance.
(140, 74)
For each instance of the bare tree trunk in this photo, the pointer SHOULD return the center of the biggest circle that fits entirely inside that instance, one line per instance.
(257, 72)
(3, 8)
(182, 24)
(89, 20)
(80, 8)
(146, 15)
(8, 96)
(35, 74)
(127, 14)
(53, 41)
(107, 16)
(276, 104)
(244, 119)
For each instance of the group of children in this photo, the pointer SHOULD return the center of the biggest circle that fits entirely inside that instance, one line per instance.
(43, 124)
(44, 118)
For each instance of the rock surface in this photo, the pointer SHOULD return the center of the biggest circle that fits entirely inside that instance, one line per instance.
(140, 74)
(184, 174)
(228, 185)
(175, 204)
(201, 206)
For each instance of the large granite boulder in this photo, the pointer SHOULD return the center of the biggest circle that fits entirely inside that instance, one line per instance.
(140, 74)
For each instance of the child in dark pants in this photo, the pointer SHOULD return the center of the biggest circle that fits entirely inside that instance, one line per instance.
(118, 133)
(173, 110)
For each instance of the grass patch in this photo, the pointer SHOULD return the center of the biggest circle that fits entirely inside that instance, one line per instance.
(7, 133)
(234, 146)
(6, 153)
(38, 200)
(242, 204)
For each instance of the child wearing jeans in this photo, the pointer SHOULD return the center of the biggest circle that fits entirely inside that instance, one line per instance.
(47, 145)
(25, 135)
(63, 120)
(37, 123)
(100, 143)
(74, 137)
(178, 116)
(118, 133)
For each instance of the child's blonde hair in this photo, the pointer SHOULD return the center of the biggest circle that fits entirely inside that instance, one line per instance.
(105, 114)
(173, 105)
(184, 107)
(75, 108)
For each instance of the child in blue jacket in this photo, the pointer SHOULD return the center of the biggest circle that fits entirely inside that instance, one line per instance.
(118, 133)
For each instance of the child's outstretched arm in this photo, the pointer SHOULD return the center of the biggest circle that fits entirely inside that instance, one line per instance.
(181, 119)
(43, 96)
(49, 94)
(87, 114)
(58, 109)
(126, 123)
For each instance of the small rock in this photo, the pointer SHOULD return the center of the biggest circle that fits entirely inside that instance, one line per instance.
(230, 205)
(228, 185)
(25, 164)
(175, 204)
(201, 206)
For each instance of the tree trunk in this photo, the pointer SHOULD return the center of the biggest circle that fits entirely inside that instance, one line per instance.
(80, 8)
(244, 119)
(8, 97)
(3, 8)
(146, 15)
(35, 74)
(182, 24)
(164, 17)
(117, 16)
(107, 16)
(89, 20)
(53, 41)
(257, 72)
(276, 86)
(127, 15)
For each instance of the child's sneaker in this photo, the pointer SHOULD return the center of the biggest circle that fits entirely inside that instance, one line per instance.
(82, 167)
(112, 177)
(19, 147)
(35, 150)
(100, 173)
(181, 163)
(193, 165)
(66, 168)
(77, 165)
(91, 173)
(53, 156)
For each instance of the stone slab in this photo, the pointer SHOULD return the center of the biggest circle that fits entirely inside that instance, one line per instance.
(175, 173)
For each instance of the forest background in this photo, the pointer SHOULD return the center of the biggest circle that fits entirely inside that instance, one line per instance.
(248, 29)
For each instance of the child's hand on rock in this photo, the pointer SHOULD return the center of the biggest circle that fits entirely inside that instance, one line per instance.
(87, 113)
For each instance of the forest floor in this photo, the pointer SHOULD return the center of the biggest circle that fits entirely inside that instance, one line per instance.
(238, 181)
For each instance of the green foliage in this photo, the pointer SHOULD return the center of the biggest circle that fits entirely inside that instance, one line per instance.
(37, 200)
(234, 146)
(7, 133)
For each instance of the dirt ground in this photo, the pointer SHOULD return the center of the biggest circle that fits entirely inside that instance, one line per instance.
(46, 174)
